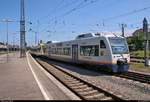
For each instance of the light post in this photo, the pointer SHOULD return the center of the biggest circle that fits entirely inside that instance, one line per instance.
(14, 42)
(7, 21)
(123, 27)
(35, 35)
(49, 33)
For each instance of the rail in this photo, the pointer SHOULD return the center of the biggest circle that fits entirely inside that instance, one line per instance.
(81, 88)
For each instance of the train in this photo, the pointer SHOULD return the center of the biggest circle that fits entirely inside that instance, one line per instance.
(2, 47)
(107, 51)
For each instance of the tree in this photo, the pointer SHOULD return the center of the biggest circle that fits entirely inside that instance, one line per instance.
(137, 40)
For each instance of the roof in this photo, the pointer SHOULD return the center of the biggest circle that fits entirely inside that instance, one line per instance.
(1, 43)
(104, 34)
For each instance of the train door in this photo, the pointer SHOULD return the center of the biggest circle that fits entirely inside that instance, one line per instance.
(103, 51)
(49, 51)
(74, 53)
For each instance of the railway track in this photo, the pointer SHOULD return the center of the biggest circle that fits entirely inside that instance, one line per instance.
(137, 57)
(143, 78)
(137, 60)
(135, 76)
(81, 88)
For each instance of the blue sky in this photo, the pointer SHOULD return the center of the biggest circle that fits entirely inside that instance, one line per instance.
(55, 16)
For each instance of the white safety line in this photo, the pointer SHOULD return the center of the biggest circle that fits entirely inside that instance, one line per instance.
(38, 82)
(56, 82)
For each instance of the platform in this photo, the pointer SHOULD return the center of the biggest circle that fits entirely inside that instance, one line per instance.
(16, 79)
(22, 79)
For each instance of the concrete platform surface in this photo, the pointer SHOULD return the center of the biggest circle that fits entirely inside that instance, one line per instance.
(25, 79)
(51, 88)
(16, 80)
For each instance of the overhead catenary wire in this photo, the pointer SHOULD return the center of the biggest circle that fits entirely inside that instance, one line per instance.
(70, 11)
(60, 8)
(54, 10)
(87, 3)
(83, 4)
(108, 26)
(127, 14)
(79, 6)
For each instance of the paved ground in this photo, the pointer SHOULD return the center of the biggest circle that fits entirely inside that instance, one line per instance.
(53, 89)
(16, 80)
(22, 79)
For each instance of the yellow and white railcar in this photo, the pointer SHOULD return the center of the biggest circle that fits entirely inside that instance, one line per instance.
(102, 50)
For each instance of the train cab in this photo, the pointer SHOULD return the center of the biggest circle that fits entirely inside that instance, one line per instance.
(120, 53)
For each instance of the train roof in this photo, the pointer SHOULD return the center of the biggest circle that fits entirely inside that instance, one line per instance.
(89, 35)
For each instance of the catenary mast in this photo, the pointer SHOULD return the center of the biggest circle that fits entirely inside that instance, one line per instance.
(22, 29)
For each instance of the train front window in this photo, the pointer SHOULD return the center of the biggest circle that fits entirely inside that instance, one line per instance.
(118, 45)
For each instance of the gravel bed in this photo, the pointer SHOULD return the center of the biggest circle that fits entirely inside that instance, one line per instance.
(128, 89)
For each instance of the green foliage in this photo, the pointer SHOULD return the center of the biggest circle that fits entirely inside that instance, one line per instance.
(139, 67)
(136, 42)
(138, 53)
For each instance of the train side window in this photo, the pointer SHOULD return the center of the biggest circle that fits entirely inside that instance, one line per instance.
(66, 51)
(59, 51)
(53, 50)
(89, 50)
(102, 44)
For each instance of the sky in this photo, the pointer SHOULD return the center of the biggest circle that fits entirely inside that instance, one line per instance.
(62, 20)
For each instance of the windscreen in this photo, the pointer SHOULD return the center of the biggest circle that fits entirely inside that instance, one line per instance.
(118, 45)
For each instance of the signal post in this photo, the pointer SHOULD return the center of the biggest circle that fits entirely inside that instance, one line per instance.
(146, 49)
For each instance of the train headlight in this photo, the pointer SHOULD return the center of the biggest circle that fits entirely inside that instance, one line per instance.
(121, 61)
